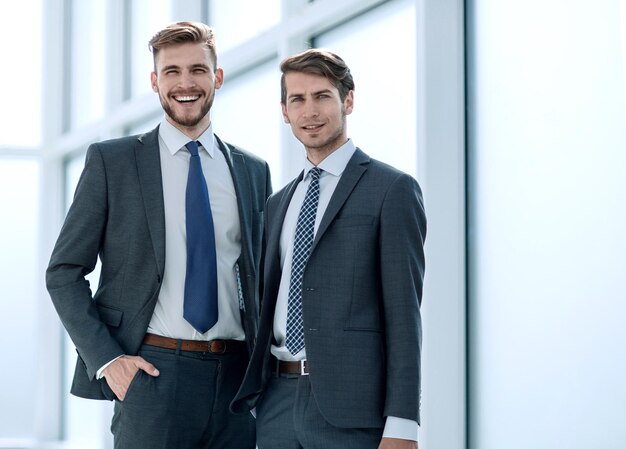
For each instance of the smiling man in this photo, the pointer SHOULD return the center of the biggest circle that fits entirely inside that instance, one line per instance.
(175, 216)
(337, 359)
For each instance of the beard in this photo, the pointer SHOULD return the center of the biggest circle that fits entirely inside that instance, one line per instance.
(187, 121)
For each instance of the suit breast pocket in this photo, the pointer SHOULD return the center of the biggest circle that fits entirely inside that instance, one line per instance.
(348, 235)
(352, 237)
(355, 221)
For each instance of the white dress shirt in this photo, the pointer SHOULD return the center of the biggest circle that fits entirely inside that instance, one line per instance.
(333, 167)
(167, 319)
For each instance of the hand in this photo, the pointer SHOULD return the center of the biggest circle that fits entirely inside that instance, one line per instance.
(121, 372)
(396, 443)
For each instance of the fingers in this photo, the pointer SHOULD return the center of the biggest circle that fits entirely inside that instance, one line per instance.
(120, 390)
(146, 366)
(118, 376)
(120, 373)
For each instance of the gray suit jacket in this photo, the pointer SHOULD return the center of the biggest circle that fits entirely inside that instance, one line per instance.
(118, 215)
(361, 298)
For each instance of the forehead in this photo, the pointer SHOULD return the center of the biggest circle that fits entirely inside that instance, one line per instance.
(302, 83)
(183, 55)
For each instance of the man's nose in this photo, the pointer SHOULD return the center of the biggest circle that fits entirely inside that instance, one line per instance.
(310, 109)
(187, 80)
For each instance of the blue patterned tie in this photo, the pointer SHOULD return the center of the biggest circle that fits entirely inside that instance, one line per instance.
(294, 340)
(200, 308)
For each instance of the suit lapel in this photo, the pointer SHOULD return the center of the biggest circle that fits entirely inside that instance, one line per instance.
(349, 179)
(149, 171)
(243, 191)
(276, 226)
(283, 205)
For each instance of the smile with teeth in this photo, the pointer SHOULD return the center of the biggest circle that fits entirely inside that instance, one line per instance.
(311, 127)
(186, 98)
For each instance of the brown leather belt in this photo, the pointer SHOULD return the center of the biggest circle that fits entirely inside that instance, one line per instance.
(301, 367)
(212, 346)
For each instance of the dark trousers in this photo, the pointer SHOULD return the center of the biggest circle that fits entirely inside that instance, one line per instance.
(186, 406)
(288, 418)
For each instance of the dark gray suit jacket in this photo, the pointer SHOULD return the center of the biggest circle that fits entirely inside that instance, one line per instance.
(118, 215)
(362, 290)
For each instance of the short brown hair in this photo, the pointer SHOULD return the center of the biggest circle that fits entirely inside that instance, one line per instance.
(184, 32)
(318, 62)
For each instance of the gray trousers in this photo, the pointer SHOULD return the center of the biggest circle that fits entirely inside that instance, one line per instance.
(288, 418)
(186, 406)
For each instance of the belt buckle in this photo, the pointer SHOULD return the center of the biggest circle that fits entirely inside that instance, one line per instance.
(217, 346)
(303, 367)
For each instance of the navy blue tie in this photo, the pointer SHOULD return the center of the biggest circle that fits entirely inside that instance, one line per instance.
(305, 226)
(200, 308)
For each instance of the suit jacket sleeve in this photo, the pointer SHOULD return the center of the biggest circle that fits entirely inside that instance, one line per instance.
(74, 256)
(403, 231)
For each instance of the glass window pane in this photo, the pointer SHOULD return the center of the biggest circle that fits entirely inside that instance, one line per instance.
(144, 126)
(238, 20)
(20, 119)
(148, 16)
(88, 86)
(383, 122)
(19, 289)
(546, 162)
(255, 127)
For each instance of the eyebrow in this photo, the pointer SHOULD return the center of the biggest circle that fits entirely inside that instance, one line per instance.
(323, 91)
(194, 66)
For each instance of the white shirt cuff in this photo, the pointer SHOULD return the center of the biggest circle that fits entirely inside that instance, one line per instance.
(99, 372)
(401, 428)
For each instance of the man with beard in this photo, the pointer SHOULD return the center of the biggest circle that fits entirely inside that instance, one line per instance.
(337, 359)
(175, 216)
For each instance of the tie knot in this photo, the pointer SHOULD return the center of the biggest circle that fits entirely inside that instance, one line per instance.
(193, 147)
(315, 173)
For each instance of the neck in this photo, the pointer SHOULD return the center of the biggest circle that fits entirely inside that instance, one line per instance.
(317, 155)
(193, 132)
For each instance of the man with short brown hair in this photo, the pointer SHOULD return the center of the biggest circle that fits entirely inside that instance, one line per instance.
(337, 359)
(175, 216)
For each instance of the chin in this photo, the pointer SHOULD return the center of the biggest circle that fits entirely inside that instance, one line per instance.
(187, 121)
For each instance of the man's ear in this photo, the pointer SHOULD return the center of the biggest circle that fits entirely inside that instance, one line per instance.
(153, 82)
(219, 77)
(348, 102)
(284, 110)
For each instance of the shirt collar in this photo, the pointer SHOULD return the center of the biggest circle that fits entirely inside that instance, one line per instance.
(336, 162)
(175, 140)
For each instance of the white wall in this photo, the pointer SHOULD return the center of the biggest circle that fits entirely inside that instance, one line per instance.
(547, 152)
